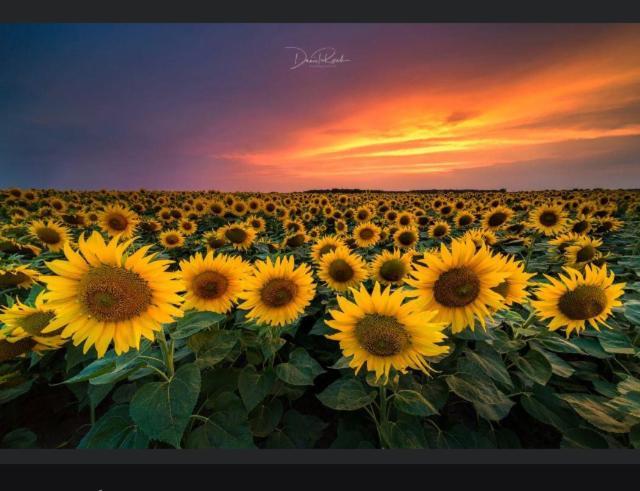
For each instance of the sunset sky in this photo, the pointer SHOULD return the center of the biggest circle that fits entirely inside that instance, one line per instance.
(412, 106)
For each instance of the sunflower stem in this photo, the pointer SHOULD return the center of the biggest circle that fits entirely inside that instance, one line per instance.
(167, 353)
(534, 237)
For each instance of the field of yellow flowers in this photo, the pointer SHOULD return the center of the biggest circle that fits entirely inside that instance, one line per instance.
(329, 319)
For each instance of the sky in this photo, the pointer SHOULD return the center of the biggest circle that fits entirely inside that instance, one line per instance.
(234, 107)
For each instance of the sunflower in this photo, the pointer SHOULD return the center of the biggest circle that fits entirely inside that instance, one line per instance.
(366, 234)
(295, 240)
(514, 288)
(17, 277)
(213, 241)
(405, 219)
(340, 269)
(459, 283)
(53, 235)
(326, 244)
(257, 223)
(579, 297)
(464, 218)
(380, 331)
(582, 252)
(117, 220)
(562, 241)
(240, 236)
(10, 246)
(187, 227)
(363, 214)
(496, 218)
(23, 321)
(103, 294)
(212, 283)
(170, 239)
(406, 238)
(582, 225)
(439, 230)
(548, 219)
(391, 267)
(277, 292)
(607, 225)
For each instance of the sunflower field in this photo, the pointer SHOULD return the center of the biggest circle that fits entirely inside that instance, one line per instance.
(329, 319)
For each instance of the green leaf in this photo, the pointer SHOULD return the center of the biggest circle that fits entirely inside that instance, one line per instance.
(490, 363)
(583, 438)
(211, 347)
(227, 427)
(342, 363)
(558, 366)
(493, 412)
(632, 312)
(115, 429)
(614, 341)
(503, 344)
(265, 418)
(194, 322)
(545, 406)
(593, 409)
(303, 430)
(414, 403)
(535, 366)
(254, 386)
(592, 347)
(97, 393)
(475, 389)
(12, 393)
(559, 344)
(346, 394)
(19, 438)
(300, 370)
(162, 409)
(403, 435)
(634, 436)
(320, 328)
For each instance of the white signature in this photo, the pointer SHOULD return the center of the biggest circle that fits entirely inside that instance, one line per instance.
(320, 58)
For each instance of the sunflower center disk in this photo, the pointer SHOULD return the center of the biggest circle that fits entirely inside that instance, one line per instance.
(36, 322)
(585, 302)
(497, 219)
(457, 287)
(465, 220)
(278, 292)
(439, 231)
(236, 235)
(209, 284)
(113, 294)
(295, 241)
(548, 218)
(341, 271)
(392, 270)
(406, 238)
(585, 254)
(381, 335)
(117, 222)
(48, 235)
(171, 239)
(366, 234)
(11, 279)
(581, 226)
(327, 248)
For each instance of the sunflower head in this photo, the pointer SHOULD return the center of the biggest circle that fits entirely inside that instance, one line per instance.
(576, 298)
(277, 292)
(382, 332)
(366, 234)
(391, 267)
(51, 234)
(238, 235)
(406, 238)
(171, 239)
(548, 219)
(116, 220)
(340, 269)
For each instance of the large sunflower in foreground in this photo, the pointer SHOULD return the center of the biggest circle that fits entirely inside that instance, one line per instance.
(53, 235)
(277, 292)
(548, 219)
(340, 269)
(117, 220)
(104, 293)
(574, 299)
(459, 283)
(212, 283)
(23, 321)
(381, 331)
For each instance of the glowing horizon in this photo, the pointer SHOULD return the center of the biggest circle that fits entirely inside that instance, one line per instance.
(478, 106)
